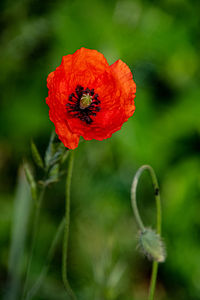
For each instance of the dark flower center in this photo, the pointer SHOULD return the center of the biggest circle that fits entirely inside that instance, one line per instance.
(83, 104)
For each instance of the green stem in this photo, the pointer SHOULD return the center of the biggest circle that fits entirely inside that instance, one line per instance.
(50, 254)
(153, 280)
(33, 241)
(133, 200)
(159, 220)
(139, 221)
(66, 229)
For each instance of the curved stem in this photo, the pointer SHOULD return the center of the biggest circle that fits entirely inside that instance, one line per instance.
(133, 200)
(34, 235)
(50, 254)
(139, 220)
(66, 229)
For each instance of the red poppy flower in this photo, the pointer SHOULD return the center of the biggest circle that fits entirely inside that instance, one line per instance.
(89, 98)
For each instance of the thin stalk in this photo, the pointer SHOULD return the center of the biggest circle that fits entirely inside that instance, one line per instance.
(139, 220)
(133, 200)
(50, 254)
(33, 241)
(159, 220)
(66, 229)
(153, 280)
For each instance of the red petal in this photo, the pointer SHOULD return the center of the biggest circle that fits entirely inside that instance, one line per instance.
(114, 85)
(69, 139)
(124, 77)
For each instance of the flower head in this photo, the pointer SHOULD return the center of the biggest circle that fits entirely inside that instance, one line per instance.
(89, 98)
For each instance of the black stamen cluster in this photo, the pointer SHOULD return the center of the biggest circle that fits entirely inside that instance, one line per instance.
(73, 106)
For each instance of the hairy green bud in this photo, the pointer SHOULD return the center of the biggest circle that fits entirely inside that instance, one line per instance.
(152, 245)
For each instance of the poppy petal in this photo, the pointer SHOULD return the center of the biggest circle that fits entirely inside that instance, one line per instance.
(111, 91)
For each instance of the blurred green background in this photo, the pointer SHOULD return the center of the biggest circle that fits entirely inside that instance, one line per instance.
(160, 41)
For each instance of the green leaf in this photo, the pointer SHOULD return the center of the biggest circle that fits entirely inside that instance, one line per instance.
(58, 149)
(20, 220)
(36, 155)
(31, 181)
(64, 156)
(56, 153)
(54, 173)
(49, 151)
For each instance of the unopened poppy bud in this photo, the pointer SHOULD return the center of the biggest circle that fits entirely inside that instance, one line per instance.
(152, 246)
(85, 101)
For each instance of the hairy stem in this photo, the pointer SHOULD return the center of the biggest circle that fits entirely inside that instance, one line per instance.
(153, 280)
(66, 229)
(159, 220)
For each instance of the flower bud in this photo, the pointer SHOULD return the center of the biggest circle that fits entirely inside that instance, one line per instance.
(152, 245)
